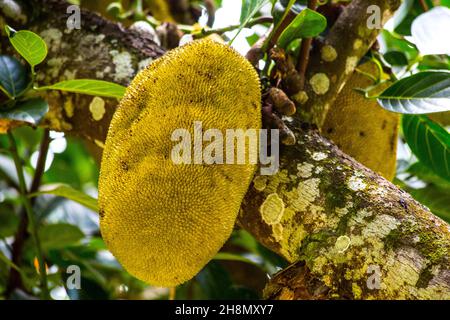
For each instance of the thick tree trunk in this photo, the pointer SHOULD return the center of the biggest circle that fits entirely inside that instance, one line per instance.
(348, 232)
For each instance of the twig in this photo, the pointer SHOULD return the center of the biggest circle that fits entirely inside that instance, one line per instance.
(424, 5)
(256, 52)
(27, 216)
(251, 23)
(280, 28)
(211, 9)
(304, 50)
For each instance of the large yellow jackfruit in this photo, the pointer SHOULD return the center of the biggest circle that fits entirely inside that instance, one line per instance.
(362, 128)
(165, 221)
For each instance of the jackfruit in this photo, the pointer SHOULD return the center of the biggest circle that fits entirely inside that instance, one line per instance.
(164, 221)
(361, 128)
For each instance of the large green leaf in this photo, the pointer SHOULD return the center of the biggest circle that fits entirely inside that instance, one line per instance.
(68, 192)
(13, 76)
(429, 142)
(392, 42)
(89, 86)
(28, 44)
(396, 58)
(234, 257)
(424, 173)
(59, 235)
(423, 92)
(9, 220)
(31, 111)
(435, 198)
(307, 24)
(248, 10)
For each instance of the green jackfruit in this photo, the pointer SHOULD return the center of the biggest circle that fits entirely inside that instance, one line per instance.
(164, 221)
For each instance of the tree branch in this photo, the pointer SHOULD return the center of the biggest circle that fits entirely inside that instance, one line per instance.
(350, 38)
(100, 50)
(337, 220)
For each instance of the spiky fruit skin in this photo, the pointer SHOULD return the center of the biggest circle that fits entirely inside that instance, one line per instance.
(361, 128)
(165, 221)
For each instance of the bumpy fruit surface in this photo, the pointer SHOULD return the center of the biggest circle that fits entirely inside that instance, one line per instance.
(361, 128)
(164, 221)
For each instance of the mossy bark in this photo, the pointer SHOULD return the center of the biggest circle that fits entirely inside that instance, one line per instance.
(101, 50)
(348, 232)
(350, 37)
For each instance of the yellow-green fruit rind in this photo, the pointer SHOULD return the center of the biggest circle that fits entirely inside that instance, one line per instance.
(163, 221)
(361, 128)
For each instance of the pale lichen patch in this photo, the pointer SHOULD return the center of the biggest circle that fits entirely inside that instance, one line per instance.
(356, 184)
(304, 195)
(357, 44)
(381, 226)
(70, 75)
(123, 65)
(328, 53)
(52, 38)
(69, 107)
(272, 209)
(342, 244)
(318, 170)
(144, 63)
(350, 64)
(356, 289)
(304, 170)
(319, 156)
(300, 97)
(277, 230)
(97, 108)
(320, 83)
(359, 218)
(260, 183)
(54, 66)
(277, 179)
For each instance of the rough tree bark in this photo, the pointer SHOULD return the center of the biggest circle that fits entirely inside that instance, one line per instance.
(342, 226)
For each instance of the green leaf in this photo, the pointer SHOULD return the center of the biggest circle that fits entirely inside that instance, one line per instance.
(216, 283)
(392, 42)
(13, 76)
(424, 173)
(413, 10)
(249, 9)
(59, 235)
(435, 62)
(436, 199)
(396, 58)
(10, 264)
(307, 24)
(429, 142)
(234, 257)
(68, 192)
(28, 44)
(31, 111)
(89, 86)
(8, 220)
(423, 92)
